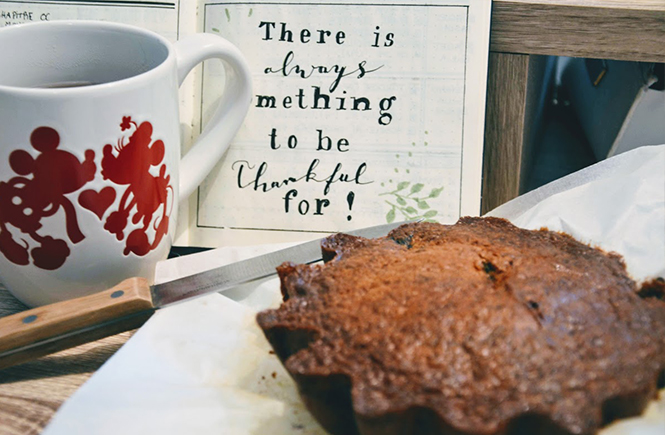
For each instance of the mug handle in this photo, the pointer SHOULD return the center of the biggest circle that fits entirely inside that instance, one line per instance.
(229, 114)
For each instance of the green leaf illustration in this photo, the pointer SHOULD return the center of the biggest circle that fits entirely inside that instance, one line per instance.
(403, 185)
(417, 187)
(416, 202)
(435, 192)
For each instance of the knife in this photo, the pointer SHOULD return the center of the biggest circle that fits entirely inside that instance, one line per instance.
(51, 328)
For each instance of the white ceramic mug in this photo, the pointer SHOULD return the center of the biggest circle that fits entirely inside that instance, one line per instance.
(90, 167)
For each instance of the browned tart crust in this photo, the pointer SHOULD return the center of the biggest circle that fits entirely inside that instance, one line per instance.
(474, 328)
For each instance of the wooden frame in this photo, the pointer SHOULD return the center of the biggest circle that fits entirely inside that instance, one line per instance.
(522, 30)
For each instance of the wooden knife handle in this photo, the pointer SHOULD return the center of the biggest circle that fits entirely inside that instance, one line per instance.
(50, 328)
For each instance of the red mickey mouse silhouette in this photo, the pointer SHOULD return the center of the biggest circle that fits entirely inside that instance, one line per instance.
(145, 193)
(24, 201)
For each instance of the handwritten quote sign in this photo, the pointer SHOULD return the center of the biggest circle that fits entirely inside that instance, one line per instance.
(357, 116)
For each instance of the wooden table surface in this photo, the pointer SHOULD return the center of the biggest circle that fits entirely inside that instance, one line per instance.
(30, 393)
(615, 29)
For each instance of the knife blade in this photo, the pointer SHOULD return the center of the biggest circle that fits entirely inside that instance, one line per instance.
(51, 328)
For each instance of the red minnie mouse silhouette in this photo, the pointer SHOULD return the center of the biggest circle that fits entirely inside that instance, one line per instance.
(24, 202)
(145, 192)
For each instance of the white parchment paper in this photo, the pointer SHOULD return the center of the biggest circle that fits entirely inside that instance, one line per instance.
(204, 367)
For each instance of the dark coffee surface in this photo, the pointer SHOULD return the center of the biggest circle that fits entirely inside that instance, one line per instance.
(481, 324)
(66, 84)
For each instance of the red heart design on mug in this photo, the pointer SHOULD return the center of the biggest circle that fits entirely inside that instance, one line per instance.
(97, 202)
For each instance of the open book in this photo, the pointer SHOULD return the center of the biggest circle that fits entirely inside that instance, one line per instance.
(363, 111)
